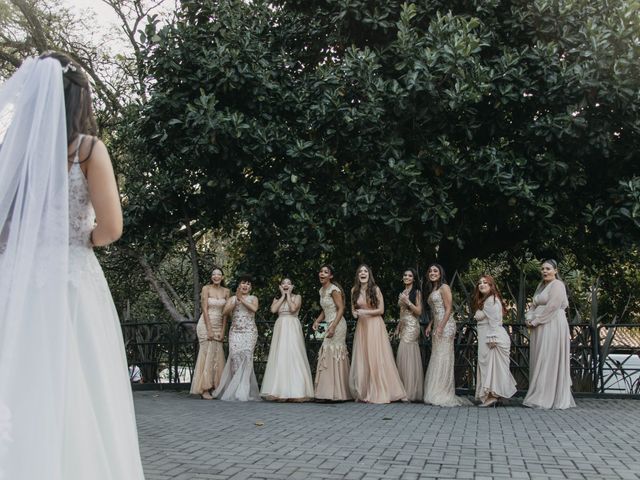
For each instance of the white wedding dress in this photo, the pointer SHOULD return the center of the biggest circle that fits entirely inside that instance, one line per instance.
(66, 409)
(101, 441)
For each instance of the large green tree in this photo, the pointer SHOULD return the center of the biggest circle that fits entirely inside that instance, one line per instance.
(391, 132)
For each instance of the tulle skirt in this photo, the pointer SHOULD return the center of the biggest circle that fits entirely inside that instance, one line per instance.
(238, 381)
(287, 375)
(101, 440)
(374, 376)
(409, 363)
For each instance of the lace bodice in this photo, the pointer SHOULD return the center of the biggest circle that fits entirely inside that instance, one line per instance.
(327, 303)
(82, 217)
(242, 319)
(436, 303)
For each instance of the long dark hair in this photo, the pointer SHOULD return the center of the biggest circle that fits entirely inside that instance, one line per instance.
(443, 279)
(479, 299)
(77, 99)
(370, 289)
(415, 288)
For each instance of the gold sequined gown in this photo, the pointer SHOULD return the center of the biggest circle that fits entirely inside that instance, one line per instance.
(210, 362)
(439, 381)
(408, 358)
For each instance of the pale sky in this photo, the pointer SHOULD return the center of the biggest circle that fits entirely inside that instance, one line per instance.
(104, 13)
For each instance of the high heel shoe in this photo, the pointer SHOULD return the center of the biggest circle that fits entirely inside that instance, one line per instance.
(490, 403)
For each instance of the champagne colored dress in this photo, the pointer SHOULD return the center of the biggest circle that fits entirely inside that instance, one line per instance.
(439, 381)
(238, 381)
(408, 358)
(332, 372)
(287, 375)
(373, 376)
(493, 375)
(549, 350)
(210, 362)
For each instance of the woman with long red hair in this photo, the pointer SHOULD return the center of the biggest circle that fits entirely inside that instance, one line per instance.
(494, 380)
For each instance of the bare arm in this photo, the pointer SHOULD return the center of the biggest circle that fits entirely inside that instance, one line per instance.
(294, 302)
(250, 302)
(414, 309)
(275, 305)
(103, 191)
(204, 296)
(228, 307)
(224, 317)
(447, 300)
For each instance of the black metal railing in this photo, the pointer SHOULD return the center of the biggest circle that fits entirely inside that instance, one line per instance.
(166, 351)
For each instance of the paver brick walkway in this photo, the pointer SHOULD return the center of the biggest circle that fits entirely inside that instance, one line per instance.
(190, 439)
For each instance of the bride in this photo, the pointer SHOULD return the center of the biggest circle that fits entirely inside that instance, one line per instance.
(64, 388)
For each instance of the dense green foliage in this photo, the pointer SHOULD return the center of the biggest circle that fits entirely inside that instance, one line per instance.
(391, 133)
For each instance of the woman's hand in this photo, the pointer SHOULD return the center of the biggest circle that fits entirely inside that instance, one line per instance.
(427, 331)
(330, 332)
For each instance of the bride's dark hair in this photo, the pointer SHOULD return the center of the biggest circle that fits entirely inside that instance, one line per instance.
(77, 100)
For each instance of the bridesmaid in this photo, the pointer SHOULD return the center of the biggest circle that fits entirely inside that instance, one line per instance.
(494, 380)
(332, 373)
(210, 330)
(287, 375)
(238, 380)
(549, 355)
(439, 381)
(408, 358)
(373, 377)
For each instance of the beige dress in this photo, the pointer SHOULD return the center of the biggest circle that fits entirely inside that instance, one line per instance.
(332, 373)
(210, 362)
(493, 375)
(408, 358)
(373, 376)
(439, 381)
(287, 375)
(549, 350)
(238, 381)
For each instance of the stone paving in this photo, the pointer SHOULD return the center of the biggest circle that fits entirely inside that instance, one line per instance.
(186, 438)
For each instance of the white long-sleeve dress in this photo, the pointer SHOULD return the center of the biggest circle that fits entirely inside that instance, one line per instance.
(493, 375)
